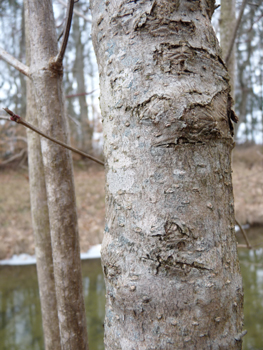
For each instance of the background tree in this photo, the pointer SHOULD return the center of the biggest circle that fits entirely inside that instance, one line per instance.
(85, 137)
(12, 83)
(46, 67)
(76, 69)
(169, 250)
(227, 27)
(249, 74)
(40, 222)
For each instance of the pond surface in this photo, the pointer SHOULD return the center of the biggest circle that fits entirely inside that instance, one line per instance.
(251, 263)
(20, 315)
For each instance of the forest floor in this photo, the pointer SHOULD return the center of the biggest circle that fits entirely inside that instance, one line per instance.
(16, 235)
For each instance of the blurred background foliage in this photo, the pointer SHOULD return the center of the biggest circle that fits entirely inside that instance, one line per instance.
(81, 83)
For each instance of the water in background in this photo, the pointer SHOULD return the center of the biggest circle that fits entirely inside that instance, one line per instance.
(251, 263)
(20, 317)
(20, 314)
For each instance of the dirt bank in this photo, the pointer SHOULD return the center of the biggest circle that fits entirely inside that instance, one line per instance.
(248, 184)
(16, 234)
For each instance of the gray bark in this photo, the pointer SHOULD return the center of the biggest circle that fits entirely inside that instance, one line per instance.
(47, 82)
(169, 250)
(40, 222)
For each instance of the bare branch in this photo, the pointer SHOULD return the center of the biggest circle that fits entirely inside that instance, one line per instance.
(18, 155)
(255, 21)
(231, 45)
(17, 138)
(13, 139)
(78, 13)
(74, 120)
(80, 94)
(20, 138)
(69, 14)
(4, 118)
(16, 118)
(14, 62)
(244, 234)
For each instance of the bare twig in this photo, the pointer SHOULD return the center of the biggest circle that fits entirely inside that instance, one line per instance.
(255, 21)
(4, 118)
(231, 45)
(60, 35)
(12, 139)
(244, 235)
(80, 94)
(14, 62)
(69, 14)
(78, 13)
(74, 120)
(14, 117)
(20, 138)
(20, 154)
(242, 246)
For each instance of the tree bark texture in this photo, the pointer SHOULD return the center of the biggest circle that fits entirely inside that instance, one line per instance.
(227, 27)
(40, 222)
(47, 86)
(169, 250)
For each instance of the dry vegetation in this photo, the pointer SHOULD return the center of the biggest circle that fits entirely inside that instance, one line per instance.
(16, 234)
(16, 231)
(248, 184)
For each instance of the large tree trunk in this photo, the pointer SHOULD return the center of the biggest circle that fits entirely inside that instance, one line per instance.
(58, 176)
(169, 251)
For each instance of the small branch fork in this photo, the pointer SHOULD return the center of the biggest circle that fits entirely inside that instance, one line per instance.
(14, 117)
(55, 63)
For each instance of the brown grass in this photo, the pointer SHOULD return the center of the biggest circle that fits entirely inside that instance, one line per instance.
(248, 184)
(16, 234)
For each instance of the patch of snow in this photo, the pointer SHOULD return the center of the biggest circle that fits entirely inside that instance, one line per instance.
(25, 259)
(92, 253)
(22, 259)
(243, 226)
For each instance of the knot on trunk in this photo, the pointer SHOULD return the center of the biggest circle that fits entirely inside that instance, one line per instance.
(55, 67)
